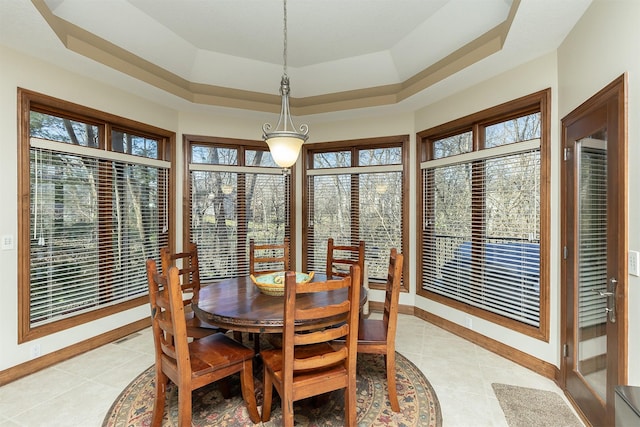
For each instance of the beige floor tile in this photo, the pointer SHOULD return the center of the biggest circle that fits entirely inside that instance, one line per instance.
(8, 423)
(94, 362)
(85, 405)
(460, 409)
(120, 376)
(25, 393)
(141, 342)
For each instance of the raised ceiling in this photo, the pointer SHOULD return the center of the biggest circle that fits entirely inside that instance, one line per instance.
(342, 54)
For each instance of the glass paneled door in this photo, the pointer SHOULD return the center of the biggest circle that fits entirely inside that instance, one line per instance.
(594, 232)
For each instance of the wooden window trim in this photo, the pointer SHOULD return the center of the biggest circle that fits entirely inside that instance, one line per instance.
(538, 101)
(32, 101)
(241, 145)
(402, 141)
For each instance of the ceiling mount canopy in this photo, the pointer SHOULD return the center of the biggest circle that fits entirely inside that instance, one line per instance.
(285, 140)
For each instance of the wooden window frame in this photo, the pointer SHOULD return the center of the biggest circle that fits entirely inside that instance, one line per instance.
(536, 102)
(32, 101)
(241, 145)
(354, 147)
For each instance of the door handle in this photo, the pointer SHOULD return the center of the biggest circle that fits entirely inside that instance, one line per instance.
(611, 300)
(603, 293)
(610, 295)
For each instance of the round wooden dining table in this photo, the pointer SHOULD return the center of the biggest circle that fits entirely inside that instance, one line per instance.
(238, 304)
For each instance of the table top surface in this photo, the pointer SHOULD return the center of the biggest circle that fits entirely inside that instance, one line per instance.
(238, 304)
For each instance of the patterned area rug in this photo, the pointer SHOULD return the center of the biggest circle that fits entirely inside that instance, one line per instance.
(418, 402)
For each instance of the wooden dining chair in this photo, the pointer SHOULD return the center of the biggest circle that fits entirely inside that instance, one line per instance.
(341, 257)
(378, 336)
(268, 258)
(189, 274)
(190, 365)
(309, 362)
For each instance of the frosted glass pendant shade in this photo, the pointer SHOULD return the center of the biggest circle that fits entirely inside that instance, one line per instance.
(284, 149)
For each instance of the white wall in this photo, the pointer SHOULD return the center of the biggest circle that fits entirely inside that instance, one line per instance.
(602, 46)
(534, 76)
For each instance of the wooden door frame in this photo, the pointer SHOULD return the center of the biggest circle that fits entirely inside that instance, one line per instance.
(615, 96)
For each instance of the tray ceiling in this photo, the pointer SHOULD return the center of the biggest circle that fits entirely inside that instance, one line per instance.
(342, 54)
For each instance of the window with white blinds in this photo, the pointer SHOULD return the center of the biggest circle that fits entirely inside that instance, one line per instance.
(95, 216)
(481, 217)
(356, 194)
(483, 248)
(89, 242)
(237, 193)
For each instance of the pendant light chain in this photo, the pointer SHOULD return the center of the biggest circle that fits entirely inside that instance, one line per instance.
(284, 53)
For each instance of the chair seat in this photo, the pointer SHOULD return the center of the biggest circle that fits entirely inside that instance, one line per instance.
(215, 352)
(372, 331)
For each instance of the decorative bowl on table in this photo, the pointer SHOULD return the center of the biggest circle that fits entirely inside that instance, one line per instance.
(273, 283)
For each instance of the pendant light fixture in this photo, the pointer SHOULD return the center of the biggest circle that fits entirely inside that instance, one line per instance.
(285, 140)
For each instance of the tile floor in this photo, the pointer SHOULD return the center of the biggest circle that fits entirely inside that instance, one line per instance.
(78, 392)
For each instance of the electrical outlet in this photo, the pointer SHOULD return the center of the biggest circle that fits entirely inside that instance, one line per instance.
(468, 322)
(35, 351)
(7, 242)
(634, 263)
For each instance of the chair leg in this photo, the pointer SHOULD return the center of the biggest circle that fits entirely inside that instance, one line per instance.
(350, 403)
(248, 391)
(184, 407)
(287, 411)
(390, 359)
(266, 399)
(159, 401)
(225, 387)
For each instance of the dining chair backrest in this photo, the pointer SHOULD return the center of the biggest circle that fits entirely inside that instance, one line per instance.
(189, 364)
(378, 336)
(189, 276)
(341, 257)
(309, 362)
(392, 294)
(188, 269)
(268, 258)
(161, 322)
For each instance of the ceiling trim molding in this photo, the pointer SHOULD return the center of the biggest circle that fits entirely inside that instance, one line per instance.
(98, 49)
